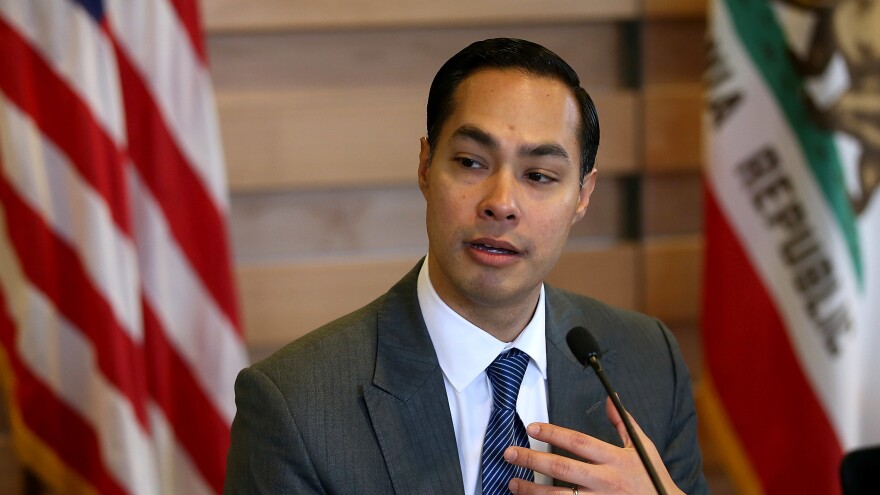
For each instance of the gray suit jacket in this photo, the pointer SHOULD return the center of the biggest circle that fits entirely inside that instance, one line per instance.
(359, 405)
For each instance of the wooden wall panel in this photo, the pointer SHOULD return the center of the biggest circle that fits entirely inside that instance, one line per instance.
(341, 109)
(346, 14)
(672, 204)
(674, 51)
(673, 128)
(396, 58)
(311, 224)
(281, 302)
(608, 274)
(303, 225)
(610, 206)
(284, 301)
(320, 138)
(673, 268)
(370, 137)
(674, 9)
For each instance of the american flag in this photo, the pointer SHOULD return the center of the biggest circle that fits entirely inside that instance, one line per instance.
(119, 332)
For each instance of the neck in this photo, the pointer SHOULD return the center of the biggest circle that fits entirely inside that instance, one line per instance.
(504, 322)
(501, 317)
(504, 326)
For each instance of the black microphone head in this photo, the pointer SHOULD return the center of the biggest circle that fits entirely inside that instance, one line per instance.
(582, 344)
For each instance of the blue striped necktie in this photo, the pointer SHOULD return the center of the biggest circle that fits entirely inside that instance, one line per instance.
(505, 427)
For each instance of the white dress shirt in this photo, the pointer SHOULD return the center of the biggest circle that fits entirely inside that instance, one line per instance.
(464, 352)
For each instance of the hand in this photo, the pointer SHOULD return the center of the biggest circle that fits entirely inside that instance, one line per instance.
(605, 468)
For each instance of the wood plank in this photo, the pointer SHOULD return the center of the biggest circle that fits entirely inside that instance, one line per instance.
(302, 224)
(674, 51)
(672, 284)
(226, 15)
(402, 58)
(619, 150)
(672, 204)
(284, 301)
(673, 128)
(608, 273)
(321, 138)
(289, 226)
(664, 9)
(359, 137)
(281, 302)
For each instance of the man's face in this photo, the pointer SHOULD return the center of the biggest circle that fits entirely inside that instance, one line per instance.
(502, 189)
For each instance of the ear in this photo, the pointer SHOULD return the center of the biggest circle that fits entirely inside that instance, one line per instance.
(584, 195)
(424, 164)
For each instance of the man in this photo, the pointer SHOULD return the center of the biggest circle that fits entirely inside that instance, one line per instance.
(429, 389)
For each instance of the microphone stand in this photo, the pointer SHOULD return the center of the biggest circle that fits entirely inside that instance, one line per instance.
(652, 473)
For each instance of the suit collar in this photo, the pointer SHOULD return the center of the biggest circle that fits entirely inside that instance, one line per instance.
(405, 357)
(407, 399)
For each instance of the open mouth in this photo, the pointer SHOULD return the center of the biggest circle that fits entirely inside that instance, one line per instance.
(491, 249)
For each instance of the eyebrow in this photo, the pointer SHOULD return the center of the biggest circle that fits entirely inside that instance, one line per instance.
(474, 133)
(482, 137)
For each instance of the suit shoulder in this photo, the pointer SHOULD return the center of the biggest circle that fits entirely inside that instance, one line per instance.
(614, 328)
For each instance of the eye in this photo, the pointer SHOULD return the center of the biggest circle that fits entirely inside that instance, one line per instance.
(468, 162)
(539, 178)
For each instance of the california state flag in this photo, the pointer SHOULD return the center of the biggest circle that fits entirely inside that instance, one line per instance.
(791, 323)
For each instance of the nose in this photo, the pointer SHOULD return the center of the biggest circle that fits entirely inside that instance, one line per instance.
(500, 198)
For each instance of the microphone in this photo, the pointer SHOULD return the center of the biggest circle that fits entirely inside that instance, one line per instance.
(585, 348)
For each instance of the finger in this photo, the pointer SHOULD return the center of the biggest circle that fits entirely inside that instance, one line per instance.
(523, 487)
(617, 422)
(588, 448)
(620, 426)
(553, 465)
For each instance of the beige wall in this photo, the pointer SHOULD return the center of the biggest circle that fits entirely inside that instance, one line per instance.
(322, 105)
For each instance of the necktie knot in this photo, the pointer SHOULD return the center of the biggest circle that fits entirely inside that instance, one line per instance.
(506, 375)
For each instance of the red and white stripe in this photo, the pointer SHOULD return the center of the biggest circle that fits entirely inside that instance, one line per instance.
(118, 321)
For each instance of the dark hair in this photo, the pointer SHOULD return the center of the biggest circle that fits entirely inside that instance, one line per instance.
(507, 53)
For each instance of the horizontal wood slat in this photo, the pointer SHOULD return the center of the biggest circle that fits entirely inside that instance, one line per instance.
(673, 128)
(662, 9)
(608, 274)
(290, 226)
(225, 15)
(295, 225)
(403, 58)
(674, 52)
(364, 137)
(284, 301)
(672, 280)
(672, 204)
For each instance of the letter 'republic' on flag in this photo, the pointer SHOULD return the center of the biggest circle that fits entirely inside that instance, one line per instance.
(119, 331)
(792, 276)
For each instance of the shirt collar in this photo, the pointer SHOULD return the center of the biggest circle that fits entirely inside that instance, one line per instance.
(463, 349)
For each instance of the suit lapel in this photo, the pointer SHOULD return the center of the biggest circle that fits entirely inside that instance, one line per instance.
(407, 399)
